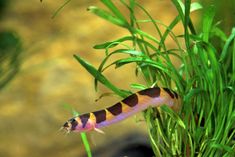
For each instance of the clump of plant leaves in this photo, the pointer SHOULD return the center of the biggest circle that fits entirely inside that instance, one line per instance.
(205, 79)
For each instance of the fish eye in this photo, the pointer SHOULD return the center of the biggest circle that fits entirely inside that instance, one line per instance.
(73, 123)
(72, 120)
(66, 125)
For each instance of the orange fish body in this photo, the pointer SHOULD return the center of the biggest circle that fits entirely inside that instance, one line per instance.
(151, 97)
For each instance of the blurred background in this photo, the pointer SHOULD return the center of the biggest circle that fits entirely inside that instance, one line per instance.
(39, 77)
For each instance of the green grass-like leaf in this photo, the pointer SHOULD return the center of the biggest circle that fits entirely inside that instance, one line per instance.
(60, 9)
(101, 78)
(107, 16)
(86, 144)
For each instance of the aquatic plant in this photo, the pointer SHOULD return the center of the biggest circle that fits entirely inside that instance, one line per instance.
(10, 56)
(204, 80)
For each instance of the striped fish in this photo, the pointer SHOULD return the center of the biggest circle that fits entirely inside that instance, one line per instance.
(151, 97)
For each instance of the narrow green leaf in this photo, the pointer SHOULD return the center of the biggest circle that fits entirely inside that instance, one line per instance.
(233, 61)
(208, 18)
(138, 86)
(114, 9)
(169, 28)
(148, 36)
(153, 22)
(119, 51)
(224, 148)
(117, 42)
(60, 9)
(86, 144)
(187, 23)
(173, 115)
(216, 31)
(107, 16)
(192, 93)
(142, 62)
(193, 7)
(112, 44)
(228, 42)
(180, 8)
(96, 74)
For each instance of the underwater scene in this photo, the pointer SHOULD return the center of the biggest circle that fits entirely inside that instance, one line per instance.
(117, 78)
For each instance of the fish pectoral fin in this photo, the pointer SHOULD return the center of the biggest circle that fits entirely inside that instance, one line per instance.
(99, 131)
